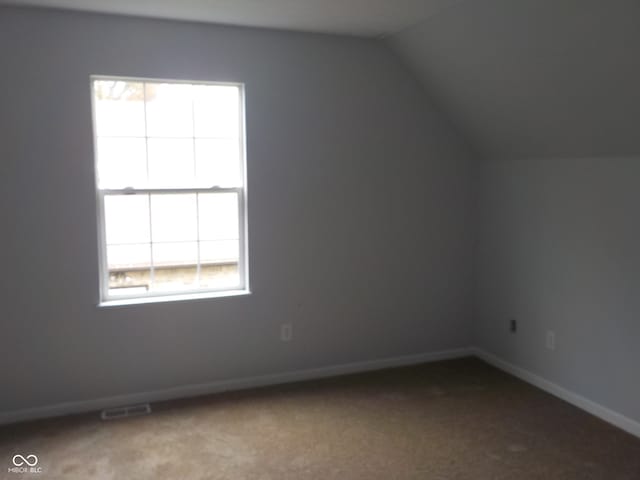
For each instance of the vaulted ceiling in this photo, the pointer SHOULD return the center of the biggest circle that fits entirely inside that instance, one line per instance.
(353, 17)
(535, 78)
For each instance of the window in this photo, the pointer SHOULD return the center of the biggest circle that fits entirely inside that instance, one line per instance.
(170, 187)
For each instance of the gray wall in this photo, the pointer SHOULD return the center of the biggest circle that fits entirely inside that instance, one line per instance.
(358, 211)
(559, 250)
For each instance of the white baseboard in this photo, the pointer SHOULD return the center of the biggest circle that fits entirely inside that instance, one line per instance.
(600, 411)
(185, 391)
(194, 390)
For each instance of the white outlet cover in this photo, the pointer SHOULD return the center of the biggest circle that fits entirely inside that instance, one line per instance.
(551, 340)
(286, 332)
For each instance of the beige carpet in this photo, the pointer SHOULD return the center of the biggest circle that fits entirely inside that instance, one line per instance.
(458, 419)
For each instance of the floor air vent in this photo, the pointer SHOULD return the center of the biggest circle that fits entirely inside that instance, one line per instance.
(122, 412)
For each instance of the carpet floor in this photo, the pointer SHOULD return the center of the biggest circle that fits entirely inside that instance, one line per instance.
(459, 419)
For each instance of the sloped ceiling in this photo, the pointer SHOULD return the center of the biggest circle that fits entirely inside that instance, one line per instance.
(353, 17)
(535, 78)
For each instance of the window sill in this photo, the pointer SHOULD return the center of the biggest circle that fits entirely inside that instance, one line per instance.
(171, 298)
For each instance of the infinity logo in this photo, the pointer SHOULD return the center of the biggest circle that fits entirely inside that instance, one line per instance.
(19, 460)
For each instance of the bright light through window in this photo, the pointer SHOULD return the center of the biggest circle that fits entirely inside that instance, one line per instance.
(170, 172)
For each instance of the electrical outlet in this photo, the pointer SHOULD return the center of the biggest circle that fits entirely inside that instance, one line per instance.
(513, 325)
(286, 332)
(551, 340)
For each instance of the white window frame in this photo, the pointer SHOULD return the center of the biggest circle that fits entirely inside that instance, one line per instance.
(193, 294)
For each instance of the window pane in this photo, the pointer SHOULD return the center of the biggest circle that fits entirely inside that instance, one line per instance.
(119, 108)
(129, 282)
(171, 162)
(169, 110)
(221, 251)
(216, 111)
(218, 162)
(219, 276)
(126, 219)
(175, 253)
(122, 162)
(162, 135)
(127, 257)
(174, 218)
(218, 216)
(175, 279)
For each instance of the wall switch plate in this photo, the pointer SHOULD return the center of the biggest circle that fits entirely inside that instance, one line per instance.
(513, 325)
(286, 332)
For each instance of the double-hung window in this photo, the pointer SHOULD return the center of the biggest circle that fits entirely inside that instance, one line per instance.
(170, 175)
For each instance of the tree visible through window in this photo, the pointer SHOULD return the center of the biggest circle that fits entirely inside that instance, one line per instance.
(170, 179)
